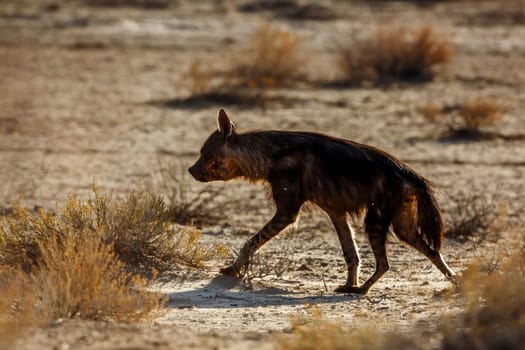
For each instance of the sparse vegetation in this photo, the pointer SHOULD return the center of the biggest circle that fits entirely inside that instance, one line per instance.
(316, 333)
(81, 277)
(272, 61)
(494, 318)
(16, 305)
(393, 54)
(479, 113)
(495, 313)
(80, 262)
(138, 228)
(466, 119)
(475, 216)
(77, 277)
(262, 265)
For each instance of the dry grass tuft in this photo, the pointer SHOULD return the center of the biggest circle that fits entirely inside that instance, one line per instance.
(81, 277)
(495, 315)
(262, 266)
(431, 112)
(317, 333)
(138, 228)
(476, 216)
(393, 54)
(272, 61)
(466, 119)
(478, 113)
(16, 305)
(77, 263)
(78, 276)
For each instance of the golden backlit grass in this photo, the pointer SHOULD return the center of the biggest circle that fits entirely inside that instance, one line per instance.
(81, 277)
(82, 261)
(272, 60)
(479, 112)
(467, 118)
(138, 227)
(76, 277)
(318, 333)
(495, 312)
(16, 305)
(393, 53)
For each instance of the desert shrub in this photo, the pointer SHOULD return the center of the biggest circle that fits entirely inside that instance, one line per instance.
(16, 305)
(479, 113)
(81, 277)
(474, 216)
(465, 119)
(316, 333)
(393, 54)
(201, 77)
(138, 228)
(495, 312)
(81, 261)
(78, 277)
(431, 112)
(272, 60)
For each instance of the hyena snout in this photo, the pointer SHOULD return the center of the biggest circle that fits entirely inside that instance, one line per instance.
(197, 172)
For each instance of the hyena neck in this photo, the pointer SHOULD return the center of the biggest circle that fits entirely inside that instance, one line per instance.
(253, 154)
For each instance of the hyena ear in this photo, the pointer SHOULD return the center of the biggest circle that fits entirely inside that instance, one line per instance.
(224, 124)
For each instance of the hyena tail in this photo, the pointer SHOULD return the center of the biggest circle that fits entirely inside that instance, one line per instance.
(429, 217)
(419, 216)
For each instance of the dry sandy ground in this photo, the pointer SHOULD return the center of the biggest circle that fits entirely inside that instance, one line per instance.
(83, 97)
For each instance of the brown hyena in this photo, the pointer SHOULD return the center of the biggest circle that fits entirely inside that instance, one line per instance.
(341, 177)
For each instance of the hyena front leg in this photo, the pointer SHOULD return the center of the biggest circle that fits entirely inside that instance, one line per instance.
(346, 238)
(279, 222)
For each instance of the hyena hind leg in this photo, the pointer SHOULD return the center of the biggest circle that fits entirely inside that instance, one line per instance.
(377, 229)
(407, 232)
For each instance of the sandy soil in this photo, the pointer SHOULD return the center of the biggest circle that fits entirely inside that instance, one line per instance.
(85, 96)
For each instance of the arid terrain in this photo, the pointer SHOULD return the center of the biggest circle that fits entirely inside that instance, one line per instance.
(95, 93)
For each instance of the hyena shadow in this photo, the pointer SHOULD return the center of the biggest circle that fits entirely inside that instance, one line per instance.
(228, 292)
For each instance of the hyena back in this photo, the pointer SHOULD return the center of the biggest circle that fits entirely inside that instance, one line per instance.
(341, 177)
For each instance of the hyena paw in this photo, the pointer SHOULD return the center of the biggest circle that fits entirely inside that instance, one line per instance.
(350, 289)
(455, 279)
(232, 271)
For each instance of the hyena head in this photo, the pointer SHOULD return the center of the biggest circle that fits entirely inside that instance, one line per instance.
(217, 160)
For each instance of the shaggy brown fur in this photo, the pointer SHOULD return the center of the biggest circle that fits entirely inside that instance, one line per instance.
(341, 177)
